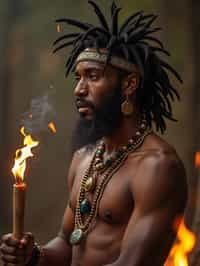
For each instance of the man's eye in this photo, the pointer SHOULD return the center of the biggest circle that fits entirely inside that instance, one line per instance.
(77, 78)
(93, 77)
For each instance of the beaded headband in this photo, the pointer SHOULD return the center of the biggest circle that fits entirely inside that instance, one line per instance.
(101, 56)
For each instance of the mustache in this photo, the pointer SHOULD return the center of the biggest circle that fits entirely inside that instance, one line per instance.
(80, 102)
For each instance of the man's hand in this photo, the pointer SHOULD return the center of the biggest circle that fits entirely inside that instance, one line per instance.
(16, 252)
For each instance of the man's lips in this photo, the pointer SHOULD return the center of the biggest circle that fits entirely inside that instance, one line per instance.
(85, 108)
(82, 105)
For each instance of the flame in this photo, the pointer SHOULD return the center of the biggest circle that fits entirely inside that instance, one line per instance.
(21, 156)
(179, 253)
(52, 126)
(58, 28)
(197, 159)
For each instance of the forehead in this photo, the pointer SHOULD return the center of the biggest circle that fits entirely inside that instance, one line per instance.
(89, 65)
(86, 65)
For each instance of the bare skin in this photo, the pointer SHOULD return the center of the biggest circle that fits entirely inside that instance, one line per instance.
(134, 225)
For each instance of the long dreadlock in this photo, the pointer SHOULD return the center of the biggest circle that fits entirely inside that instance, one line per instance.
(133, 41)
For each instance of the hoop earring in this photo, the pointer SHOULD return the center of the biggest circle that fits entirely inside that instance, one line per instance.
(127, 106)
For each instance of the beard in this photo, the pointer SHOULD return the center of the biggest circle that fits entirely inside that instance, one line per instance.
(106, 119)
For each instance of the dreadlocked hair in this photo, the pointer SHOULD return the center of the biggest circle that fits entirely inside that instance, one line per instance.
(135, 42)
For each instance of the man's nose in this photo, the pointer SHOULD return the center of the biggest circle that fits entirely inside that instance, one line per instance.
(81, 88)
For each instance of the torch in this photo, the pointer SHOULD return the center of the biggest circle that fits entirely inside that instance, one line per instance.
(19, 187)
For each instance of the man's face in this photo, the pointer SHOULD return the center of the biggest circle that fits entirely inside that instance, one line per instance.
(98, 101)
(94, 85)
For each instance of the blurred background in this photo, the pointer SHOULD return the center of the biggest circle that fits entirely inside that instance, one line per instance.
(34, 91)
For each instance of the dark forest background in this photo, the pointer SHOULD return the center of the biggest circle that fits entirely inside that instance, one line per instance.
(31, 76)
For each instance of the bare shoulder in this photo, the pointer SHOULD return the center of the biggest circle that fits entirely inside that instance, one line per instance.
(157, 154)
(78, 158)
(160, 172)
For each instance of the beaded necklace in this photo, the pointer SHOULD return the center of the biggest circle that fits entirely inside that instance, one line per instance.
(82, 223)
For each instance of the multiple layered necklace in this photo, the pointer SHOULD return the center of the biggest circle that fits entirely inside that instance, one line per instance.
(86, 211)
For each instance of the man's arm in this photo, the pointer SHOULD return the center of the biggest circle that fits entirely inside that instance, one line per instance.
(58, 251)
(160, 191)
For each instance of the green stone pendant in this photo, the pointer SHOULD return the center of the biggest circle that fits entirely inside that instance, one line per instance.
(76, 237)
(85, 206)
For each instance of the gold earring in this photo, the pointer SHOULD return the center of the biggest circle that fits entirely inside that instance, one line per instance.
(127, 106)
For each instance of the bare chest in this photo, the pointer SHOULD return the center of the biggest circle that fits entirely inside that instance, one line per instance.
(115, 203)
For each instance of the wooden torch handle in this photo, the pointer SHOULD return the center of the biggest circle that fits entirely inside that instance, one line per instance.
(19, 193)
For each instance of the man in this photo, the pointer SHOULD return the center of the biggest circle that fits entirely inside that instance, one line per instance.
(127, 186)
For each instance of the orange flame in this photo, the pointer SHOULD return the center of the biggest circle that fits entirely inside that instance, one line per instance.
(179, 253)
(197, 159)
(52, 126)
(58, 28)
(21, 156)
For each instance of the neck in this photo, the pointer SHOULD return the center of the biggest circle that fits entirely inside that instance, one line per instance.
(121, 136)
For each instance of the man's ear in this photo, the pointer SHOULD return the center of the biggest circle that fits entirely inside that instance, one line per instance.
(130, 83)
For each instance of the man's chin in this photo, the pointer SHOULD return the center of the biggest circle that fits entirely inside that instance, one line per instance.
(86, 116)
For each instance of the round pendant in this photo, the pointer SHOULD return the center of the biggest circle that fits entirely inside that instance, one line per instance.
(127, 108)
(90, 184)
(85, 206)
(76, 237)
